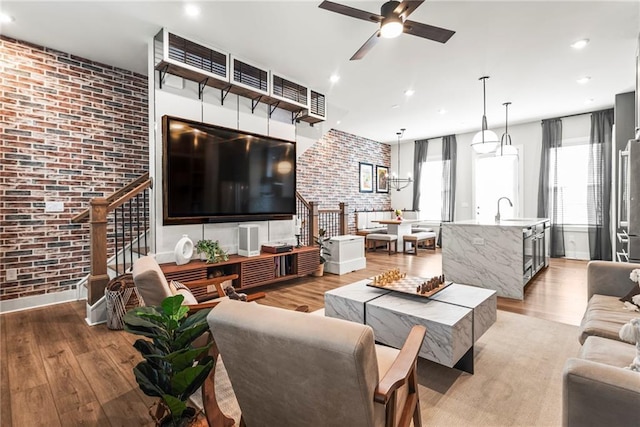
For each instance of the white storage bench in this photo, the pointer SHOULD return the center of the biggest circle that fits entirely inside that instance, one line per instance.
(347, 254)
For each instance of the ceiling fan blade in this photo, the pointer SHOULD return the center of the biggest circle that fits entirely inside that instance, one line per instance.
(366, 47)
(350, 11)
(426, 31)
(406, 8)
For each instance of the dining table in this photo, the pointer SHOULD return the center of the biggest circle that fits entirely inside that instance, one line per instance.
(399, 227)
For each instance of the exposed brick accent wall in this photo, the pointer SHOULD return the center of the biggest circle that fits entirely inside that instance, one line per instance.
(328, 173)
(72, 129)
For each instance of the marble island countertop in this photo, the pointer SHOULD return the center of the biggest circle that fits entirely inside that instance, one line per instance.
(511, 222)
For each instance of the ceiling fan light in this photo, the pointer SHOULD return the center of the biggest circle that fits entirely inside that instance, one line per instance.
(391, 27)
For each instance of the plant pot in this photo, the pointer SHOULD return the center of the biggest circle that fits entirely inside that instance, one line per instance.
(189, 418)
(319, 272)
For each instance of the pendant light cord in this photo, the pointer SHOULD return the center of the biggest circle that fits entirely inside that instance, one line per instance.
(484, 126)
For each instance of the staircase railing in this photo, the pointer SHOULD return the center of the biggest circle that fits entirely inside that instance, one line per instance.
(333, 221)
(129, 222)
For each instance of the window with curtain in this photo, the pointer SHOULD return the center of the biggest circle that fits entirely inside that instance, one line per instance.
(432, 190)
(571, 161)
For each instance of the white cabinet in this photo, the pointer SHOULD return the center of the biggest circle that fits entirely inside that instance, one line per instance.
(345, 254)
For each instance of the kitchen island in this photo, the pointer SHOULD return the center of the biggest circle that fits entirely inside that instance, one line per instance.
(503, 256)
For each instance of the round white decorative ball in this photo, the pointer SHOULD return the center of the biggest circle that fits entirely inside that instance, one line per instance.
(184, 250)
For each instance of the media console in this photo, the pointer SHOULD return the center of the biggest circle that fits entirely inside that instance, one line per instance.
(252, 272)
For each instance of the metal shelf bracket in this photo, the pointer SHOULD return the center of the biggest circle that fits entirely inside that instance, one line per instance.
(272, 108)
(295, 115)
(201, 86)
(254, 103)
(223, 94)
(161, 73)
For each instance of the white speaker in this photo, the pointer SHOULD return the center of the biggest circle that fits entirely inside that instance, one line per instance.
(248, 240)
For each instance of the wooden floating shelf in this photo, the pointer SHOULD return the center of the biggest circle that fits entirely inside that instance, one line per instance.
(171, 50)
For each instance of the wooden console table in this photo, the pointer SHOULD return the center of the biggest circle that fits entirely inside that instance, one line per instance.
(252, 272)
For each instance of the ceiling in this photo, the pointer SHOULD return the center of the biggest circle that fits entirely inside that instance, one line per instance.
(522, 45)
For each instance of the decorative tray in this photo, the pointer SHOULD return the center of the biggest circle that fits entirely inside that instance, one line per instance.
(394, 281)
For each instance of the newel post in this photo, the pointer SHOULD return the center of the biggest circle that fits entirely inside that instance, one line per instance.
(314, 227)
(344, 219)
(98, 277)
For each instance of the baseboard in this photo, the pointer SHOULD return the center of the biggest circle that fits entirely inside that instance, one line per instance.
(97, 313)
(27, 303)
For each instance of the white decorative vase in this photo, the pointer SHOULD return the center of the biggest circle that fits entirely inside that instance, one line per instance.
(183, 250)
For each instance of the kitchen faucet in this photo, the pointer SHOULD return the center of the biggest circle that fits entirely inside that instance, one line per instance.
(498, 214)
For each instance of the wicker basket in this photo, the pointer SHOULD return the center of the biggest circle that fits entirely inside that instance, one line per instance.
(121, 296)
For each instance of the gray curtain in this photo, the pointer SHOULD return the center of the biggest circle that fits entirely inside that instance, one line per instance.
(419, 157)
(450, 153)
(549, 196)
(599, 185)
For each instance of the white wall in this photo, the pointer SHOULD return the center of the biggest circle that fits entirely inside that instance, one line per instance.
(179, 97)
(527, 137)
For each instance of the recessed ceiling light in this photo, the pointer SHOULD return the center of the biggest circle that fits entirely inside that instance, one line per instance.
(442, 111)
(5, 18)
(583, 80)
(395, 106)
(580, 44)
(409, 92)
(191, 10)
(338, 122)
(334, 78)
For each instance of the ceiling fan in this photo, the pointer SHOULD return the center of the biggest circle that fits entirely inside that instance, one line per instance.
(393, 21)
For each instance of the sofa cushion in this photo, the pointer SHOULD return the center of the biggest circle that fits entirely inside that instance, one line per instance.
(608, 352)
(604, 317)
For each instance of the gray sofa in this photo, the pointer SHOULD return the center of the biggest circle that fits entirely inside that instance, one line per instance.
(597, 390)
(607, 282)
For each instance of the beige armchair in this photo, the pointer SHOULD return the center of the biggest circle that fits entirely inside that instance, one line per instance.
(294, 369)
(154, 288)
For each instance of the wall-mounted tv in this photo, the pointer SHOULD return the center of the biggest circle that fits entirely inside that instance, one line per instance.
(217, 174)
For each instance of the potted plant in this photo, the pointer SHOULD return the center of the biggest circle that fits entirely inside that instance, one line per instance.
(320, 241)
(172, 368)
(211, 251)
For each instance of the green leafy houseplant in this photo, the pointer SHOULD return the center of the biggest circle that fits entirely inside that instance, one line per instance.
(320, 241)
(172, 368)
(212, 250)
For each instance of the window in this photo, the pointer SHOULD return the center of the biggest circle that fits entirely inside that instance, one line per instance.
(571, 165)
(496, 177)
(431, 190)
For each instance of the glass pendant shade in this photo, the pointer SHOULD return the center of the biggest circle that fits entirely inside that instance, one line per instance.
(485, 141)
(506, 149)
(490, 142)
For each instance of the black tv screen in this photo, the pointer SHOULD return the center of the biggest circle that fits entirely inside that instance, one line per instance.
(216, 174)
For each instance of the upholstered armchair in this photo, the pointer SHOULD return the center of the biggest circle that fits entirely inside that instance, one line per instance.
(294, 369)
(154, 288)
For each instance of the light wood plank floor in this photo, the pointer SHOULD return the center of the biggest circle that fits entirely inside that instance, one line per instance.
(57, 371)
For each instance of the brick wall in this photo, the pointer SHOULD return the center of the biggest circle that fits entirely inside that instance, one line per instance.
(72, 129)
(328, 173)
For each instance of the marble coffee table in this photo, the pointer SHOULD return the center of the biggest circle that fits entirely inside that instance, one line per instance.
(454, 320)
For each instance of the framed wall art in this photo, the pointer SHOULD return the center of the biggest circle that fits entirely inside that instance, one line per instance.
(382, 179)
(366, 178)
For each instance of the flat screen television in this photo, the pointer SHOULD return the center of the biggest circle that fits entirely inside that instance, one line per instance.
(216, 174)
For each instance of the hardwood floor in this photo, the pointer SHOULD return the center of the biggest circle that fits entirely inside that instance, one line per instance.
(55, 370)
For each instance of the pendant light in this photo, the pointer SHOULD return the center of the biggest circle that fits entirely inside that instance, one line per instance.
(395, 181)
(506, 149)
(484, 141)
